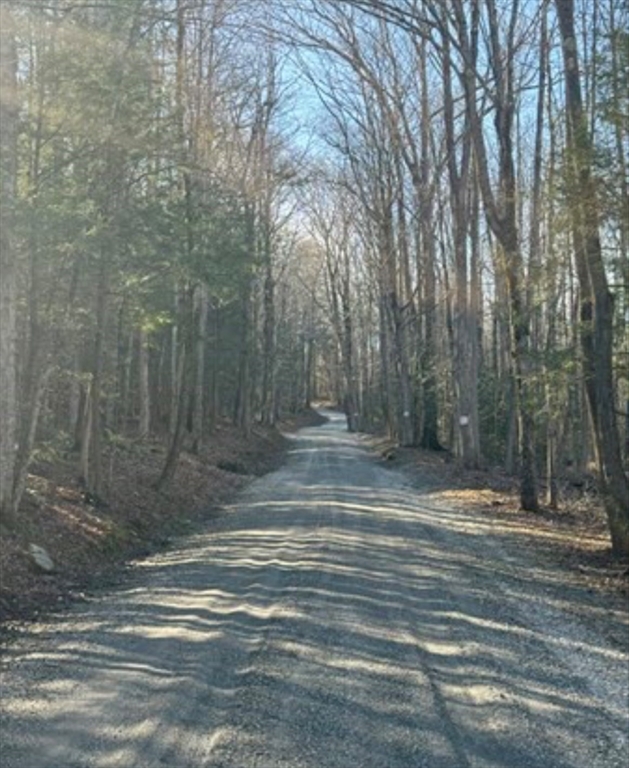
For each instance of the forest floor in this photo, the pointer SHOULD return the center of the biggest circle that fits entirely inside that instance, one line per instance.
(574, 535)
(91, 542)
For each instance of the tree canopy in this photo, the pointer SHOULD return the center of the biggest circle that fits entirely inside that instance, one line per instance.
(229, 208)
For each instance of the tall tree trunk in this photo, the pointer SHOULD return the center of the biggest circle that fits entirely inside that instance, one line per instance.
(184, 384)
(94, 477)
(597, 302)
(465, 367)
(430, 416)
(501, 212)
(475, 305)
(268, 334)
(387, 390)
(405, 317)
(243, 405)
(37, 369)
(144, 390)
(177, 437)
(430, 407)
(405, 401)
(348, 354)
(37, 391)
(124, 358)
(215, 388)
(183, 328)
(198, 412)
(8, 261)
(84, 431)
(175, 353)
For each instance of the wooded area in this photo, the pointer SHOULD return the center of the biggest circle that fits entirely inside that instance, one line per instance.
(228, 208)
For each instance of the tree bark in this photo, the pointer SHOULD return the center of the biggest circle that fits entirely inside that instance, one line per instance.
(8, 260)
(430, 416)
(183, 388)
(501, 215)
(27, 438)
(596, 300)
(465, 367)
(144, 390)
(198, 411)
(268, 333)
(243, 406)
(94, 477)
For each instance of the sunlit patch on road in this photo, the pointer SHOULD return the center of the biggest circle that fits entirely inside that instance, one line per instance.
(333, 617)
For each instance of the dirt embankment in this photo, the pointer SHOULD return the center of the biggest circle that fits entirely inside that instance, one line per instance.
(89, 540)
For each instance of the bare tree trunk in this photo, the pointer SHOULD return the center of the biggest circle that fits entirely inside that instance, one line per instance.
(348, 354)
(27, 439)
(8, 263)
(554, 429)
(467, 445)
(243, 390)
(198, 413)
(124, 357)
(36, 351)
(175, 353)
(405, 401)
(475, 304)
(74, 403)
(597, 302)
(85, 432)
(387, 389)
(176, 440)
(184, 384)
(430, 416)
(94, 478)
(215, 389)
(310, 382)
(268, 333)
(144, 389)
(501, 212)
(405, 316)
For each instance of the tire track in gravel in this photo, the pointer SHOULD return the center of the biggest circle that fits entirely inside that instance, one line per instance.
(333, 617)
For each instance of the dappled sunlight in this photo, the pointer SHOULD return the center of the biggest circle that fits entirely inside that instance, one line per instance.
(348, 611)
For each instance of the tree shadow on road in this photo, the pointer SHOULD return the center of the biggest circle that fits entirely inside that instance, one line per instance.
(362, 626)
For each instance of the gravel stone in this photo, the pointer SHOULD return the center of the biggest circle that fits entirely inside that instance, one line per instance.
(334, 616)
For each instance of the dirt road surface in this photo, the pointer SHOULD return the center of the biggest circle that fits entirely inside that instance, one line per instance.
(335, 616)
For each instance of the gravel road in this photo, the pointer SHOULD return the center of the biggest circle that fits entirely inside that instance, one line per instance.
(336, 616)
